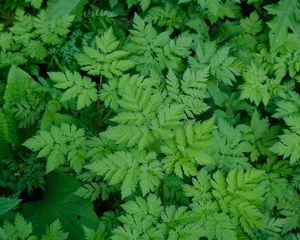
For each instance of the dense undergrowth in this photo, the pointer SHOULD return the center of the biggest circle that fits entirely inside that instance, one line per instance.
(140, 119)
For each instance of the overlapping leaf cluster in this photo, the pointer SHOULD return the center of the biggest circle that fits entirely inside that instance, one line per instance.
(175, 119)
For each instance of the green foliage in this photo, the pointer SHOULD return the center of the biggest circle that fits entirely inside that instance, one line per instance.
(20, 229)
(214, 9)
(130, 170)
(35, 3)
(62, 8)
(30, 36)
(60, 145)
(239, 196)
(59, 202)
(169, 16)
(286, 16)
(54, 231)
(187, 149)
(19, 176)
(229, 150)
(145, 119)
(77, 87)
(156, 51)
(222, 66)
(288, 145)
(106, 60)
(255, 87)
(24, 97)
(7, 204)
(260, 136)
(51, 29)
(191, 92)
(147, 218)
(144, 4)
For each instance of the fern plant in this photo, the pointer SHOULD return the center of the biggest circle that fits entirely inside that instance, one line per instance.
(106, 60)
(59, 145)
(149, 119)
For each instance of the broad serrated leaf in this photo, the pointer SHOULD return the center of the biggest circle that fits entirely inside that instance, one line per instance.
(59, 202)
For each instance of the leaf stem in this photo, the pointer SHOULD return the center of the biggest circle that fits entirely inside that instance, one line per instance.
(98, 108)
(163, 192)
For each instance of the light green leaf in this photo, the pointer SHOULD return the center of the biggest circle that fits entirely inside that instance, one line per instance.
(286, 13)
(61, 8)
(54, 231)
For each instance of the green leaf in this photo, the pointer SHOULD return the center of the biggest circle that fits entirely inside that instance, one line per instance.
(99, 234)
(106, 60)
(59, 145)
(7, 204)
(52, 29)
(35, 3)
(24, 97)
(255, 87)
(190, 91)
(81, 88)
(156, 51)
(20, 229)
(129, 170)
(286, 17)
(222, 65)
(54, 231)
(61, 8)
(288, 144)
(19, 85)
(59, 202)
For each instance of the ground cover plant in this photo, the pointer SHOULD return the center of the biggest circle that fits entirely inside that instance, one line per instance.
(140, 119)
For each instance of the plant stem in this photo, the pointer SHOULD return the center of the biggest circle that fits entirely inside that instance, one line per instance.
(163, 192)
(98, 108)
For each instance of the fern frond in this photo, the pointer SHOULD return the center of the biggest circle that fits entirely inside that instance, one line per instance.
(169, 16)
(288, 145)
(156, 50)
(145, 218)
(54, 231)
(19, 229)
(257, 80)
(106, 60)
(129, 169)
(75, 86)
(222, 66)
(190, 91)
(24, 96)
(52, 29)
(59, 145)
(288, 106)
(229, 149)
(259, 135)
(187, 148)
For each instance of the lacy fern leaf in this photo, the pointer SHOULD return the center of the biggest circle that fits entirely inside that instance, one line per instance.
(75, 86)
(190, 91)
(60, 144)
(54, 231)
(288, 145)
(24, 96)
(20, 229)
(129, 170)
(107, 59)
